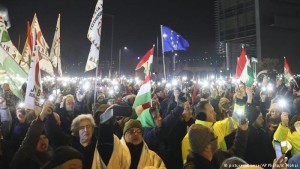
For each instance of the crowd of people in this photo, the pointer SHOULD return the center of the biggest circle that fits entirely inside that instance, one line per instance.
(193, 126)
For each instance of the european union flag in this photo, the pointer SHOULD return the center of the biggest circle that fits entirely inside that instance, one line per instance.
(172, 40)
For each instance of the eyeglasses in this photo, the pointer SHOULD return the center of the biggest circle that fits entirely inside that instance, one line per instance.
(133, 131)
(85, 127)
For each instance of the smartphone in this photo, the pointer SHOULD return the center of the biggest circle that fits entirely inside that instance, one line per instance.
(278, 150)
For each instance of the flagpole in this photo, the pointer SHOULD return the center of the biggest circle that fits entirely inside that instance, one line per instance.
(157, 51)
(162, 50)
(19, 42)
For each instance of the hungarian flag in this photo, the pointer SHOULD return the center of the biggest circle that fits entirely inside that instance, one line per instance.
(288, 75)
(42, 48)
(26, 54)
(244, 72)
(8, 46)
(10, 71)
(34, 86)
(94, 35)
(143, 99)
(55, 50)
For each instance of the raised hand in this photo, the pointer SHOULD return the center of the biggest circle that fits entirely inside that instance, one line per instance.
(285, 118)
(48, 108)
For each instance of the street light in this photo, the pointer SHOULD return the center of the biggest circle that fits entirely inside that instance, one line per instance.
(120, 54)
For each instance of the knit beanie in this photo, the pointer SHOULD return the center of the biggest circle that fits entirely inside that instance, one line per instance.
(199, 137)
(132, 124)
(252, 114)
(63, 154)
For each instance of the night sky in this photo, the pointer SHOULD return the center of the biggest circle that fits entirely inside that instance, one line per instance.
(136, 25)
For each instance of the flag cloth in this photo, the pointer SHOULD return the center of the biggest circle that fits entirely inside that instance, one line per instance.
(26, 54)
(172, 41)
(34, 88)
(288, 75)
(94, 35)
(55, 50)
(42, 48)
(195, 90)
(8, 46)
(244, 72)
(10, 71)
(143, 99)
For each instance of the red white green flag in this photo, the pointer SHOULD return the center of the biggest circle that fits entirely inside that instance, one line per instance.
(42, 48)
(244, 72)
(288, 75)
(143, 99)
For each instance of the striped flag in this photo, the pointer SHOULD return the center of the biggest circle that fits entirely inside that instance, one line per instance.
(9, 47)
(288, 75)
(143, 99)
(42, 48)
(244, 72)
(55, 50)
(94, 35)
(34, 86)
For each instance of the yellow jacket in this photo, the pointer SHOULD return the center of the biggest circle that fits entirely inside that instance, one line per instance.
(283, 133)
(221, 129)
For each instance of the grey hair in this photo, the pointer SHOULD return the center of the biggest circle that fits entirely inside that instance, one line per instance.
(78, 119)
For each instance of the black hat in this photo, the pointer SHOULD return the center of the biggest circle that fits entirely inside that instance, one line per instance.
(63, 154)
(158, 89)
(252, 114)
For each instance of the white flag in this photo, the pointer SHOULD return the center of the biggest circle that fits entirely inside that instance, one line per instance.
(34, 86)
(94, 35)
(42, 48)
(55, 50)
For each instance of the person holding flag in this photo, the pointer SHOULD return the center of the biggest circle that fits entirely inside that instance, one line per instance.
(244, 72)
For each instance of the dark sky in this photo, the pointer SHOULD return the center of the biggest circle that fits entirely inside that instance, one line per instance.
(136, 25)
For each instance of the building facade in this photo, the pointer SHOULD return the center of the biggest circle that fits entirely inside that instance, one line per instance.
(266, 28)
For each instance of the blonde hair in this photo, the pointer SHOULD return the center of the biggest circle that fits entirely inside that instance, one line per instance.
(78, 119)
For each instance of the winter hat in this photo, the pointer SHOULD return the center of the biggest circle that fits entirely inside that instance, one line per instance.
(199, 137)
(294, 162)
(252, 114)
(158, 89)
(132, 124)
(63, 154)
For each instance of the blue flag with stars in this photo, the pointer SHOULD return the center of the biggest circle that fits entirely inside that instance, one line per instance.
(172, 40)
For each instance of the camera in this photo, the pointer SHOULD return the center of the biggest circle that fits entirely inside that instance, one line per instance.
(116, 111)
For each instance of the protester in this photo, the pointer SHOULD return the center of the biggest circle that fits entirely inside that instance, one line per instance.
(35, 150)
(204, 147)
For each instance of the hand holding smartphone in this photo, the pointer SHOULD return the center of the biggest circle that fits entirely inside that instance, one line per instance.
(278, 149)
